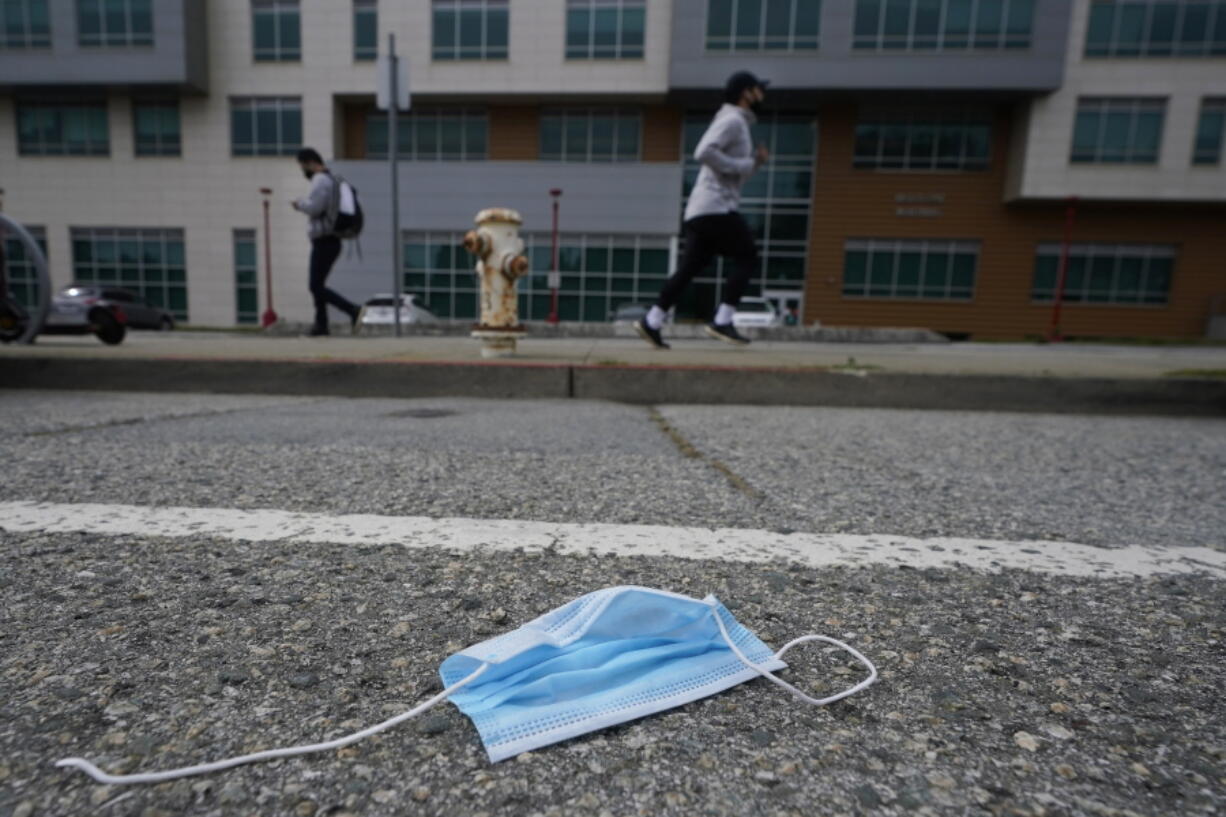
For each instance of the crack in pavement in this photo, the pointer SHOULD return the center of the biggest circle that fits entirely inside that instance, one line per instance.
(688, 449)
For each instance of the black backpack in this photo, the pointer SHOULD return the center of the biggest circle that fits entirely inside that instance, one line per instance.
(347, 225)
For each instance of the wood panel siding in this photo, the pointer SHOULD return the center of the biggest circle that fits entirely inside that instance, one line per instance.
(850, 203)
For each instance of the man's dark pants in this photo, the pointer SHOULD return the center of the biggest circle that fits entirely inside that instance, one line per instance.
(324, 252)
(725, 234)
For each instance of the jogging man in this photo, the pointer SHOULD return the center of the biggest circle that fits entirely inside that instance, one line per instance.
(321, 205)
(712, 226)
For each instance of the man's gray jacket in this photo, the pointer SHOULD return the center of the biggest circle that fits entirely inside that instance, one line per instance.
(320, 205)
(727, 156)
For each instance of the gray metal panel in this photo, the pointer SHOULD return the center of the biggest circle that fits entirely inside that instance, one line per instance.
(626, 198)
(836, 67)
(177, 56)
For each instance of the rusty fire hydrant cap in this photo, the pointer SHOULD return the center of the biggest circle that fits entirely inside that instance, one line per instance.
(500, 214)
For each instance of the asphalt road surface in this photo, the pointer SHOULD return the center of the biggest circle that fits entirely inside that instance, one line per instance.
(1082, 685)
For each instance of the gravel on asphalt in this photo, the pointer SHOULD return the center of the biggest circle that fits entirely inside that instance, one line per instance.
(1007, 694)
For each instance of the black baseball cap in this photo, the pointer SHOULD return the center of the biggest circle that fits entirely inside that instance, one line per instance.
(740, 82)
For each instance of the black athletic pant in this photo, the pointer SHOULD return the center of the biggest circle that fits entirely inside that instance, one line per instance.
(725, 234)
(324, 252)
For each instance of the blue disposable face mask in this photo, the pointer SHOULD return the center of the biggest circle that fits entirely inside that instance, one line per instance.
(605, 658)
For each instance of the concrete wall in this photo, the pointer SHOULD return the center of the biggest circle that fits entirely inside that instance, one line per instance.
(175, 58)
(1045, 171)
(836, 66)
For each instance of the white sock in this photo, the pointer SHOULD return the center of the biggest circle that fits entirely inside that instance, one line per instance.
(723, 316)
(655, 318)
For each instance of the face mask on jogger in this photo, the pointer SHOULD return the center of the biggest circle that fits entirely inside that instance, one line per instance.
(605, 658)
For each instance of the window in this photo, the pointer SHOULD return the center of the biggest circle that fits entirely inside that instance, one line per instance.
(470, 29)
(24, 24)
(942, 25)
(442, 134)
(599, 273)
(605, 29)
(276, 30)
(149, 262)
(1118, 130)
(62, 129)
(1157, 28)
(265, 126)
(763, 25)
(1208, 147)
(156, 128)
(923, 142)
(365, 29)
(22, 274)
(590, 135)
(776, 201)
(895, 268)
(246, 278)
(1105, 273)
(114, 22)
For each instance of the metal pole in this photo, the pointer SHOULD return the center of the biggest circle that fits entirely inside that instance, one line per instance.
(553, 269)
(393, 146)
(1053, 333)
(270, 314)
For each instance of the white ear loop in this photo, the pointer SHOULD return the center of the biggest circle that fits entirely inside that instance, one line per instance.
(270, 754)
(872, 670)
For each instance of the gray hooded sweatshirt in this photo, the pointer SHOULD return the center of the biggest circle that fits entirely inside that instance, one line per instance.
(320, 204)
(727, 156)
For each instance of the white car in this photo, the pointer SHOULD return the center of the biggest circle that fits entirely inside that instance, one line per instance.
(378, 311)
(756, 312)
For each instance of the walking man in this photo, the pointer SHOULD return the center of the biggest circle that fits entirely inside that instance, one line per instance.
(321, 206)
(712, 226)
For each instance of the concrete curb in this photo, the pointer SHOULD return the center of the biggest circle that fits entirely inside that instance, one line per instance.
(628, 384)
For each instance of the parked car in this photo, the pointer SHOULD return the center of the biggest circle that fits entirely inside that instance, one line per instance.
(380, 311)
(627, 314)
(103, 311)
(756, 312)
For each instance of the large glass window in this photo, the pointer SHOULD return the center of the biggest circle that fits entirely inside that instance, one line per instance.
(1208, 147)
(605, 29)
(246, 278)
(942, 25)
(24, 24)
(923, 142)
(1105, 273)
(276, 30)
(265, 126)
(62, 129)
(898, 268)
(763, 25)
(776, 201)
(1118, 130)
(590, 135)
(149, 262)
(365, 29)
(157, 128)
(1156, 28)
(432, 134)
(114, 22)
(470, 29)
(22, 274)
(599, 273)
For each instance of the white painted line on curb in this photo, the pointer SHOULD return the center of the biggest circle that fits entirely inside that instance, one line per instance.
(735, 544)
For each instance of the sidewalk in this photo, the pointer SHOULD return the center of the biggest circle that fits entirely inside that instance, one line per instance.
(1051, 377)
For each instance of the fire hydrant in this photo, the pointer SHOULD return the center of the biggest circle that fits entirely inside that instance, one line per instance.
(500, 263)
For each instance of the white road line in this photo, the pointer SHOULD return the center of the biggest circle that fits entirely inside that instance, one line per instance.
(735, 544)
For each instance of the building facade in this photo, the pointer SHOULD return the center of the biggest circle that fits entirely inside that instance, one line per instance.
(927, 155)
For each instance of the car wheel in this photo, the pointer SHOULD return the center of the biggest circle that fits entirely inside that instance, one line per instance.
(167, 324)
(108, 329)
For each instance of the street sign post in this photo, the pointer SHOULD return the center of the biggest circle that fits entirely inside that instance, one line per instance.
(392, 95)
